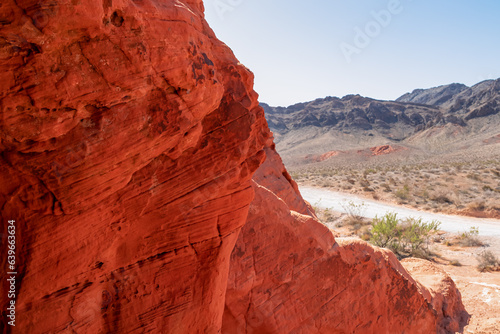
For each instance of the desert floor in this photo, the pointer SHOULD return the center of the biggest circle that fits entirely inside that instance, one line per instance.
(480, 290)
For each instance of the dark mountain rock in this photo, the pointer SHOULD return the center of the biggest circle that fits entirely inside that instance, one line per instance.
(419, 110)
(433, 96)
(350, 112)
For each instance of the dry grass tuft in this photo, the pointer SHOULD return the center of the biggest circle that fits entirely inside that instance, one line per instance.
(488, 262)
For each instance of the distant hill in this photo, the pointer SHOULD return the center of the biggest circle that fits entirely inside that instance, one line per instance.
(435, 121)
(433, 96)
(479, 100)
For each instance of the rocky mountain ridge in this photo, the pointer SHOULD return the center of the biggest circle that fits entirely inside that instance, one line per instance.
(442, 120)
(419, 110)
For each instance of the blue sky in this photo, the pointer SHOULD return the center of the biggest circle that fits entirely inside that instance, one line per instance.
(302, 50)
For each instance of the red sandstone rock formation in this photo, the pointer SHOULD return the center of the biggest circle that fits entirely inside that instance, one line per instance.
(322, 157)
(129, 136)
(386, 149)
(289, 275)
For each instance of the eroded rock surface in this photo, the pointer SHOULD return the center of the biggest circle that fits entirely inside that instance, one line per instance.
(289, 275)
(129, 138)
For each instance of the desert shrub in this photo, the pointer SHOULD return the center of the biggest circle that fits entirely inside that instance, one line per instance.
(387, 188)
(355, 214)
(415, 235)
(474, 176)
(405, 238)
(470, 238)
(353, 210)
(369, 171)
(326, 184)
(316, 206)
(487, 188)
(365, 235)
(488, 262)
(476, 206)
(474, 190)
(404, 193)
(441, 198)
(424, 194)
(364, 183)
(324, 215)
(385, 230)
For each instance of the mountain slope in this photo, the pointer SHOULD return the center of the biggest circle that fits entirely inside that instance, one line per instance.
(426, 121)
(433, 96)
(479, 100)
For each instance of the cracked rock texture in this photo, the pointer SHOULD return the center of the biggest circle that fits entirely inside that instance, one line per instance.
(129, 136)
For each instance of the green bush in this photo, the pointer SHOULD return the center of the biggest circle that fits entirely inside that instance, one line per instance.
(385, 230)
(416, 233)
(405, 238)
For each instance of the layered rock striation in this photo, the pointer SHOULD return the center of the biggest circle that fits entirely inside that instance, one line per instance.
(129, 136)
(289, 275)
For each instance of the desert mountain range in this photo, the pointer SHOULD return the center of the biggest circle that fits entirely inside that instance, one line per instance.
(441, 120)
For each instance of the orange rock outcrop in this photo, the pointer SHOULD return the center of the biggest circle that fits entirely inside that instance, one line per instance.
(386, 149)
(129, 136)
(289, 275)
(322, 157)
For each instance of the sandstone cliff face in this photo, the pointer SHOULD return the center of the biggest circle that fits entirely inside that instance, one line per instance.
(289, 275)
(129, 138)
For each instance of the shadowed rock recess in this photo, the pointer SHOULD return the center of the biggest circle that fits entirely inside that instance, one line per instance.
(129, 139)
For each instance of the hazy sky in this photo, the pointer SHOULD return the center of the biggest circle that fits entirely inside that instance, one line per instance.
(302, 50)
